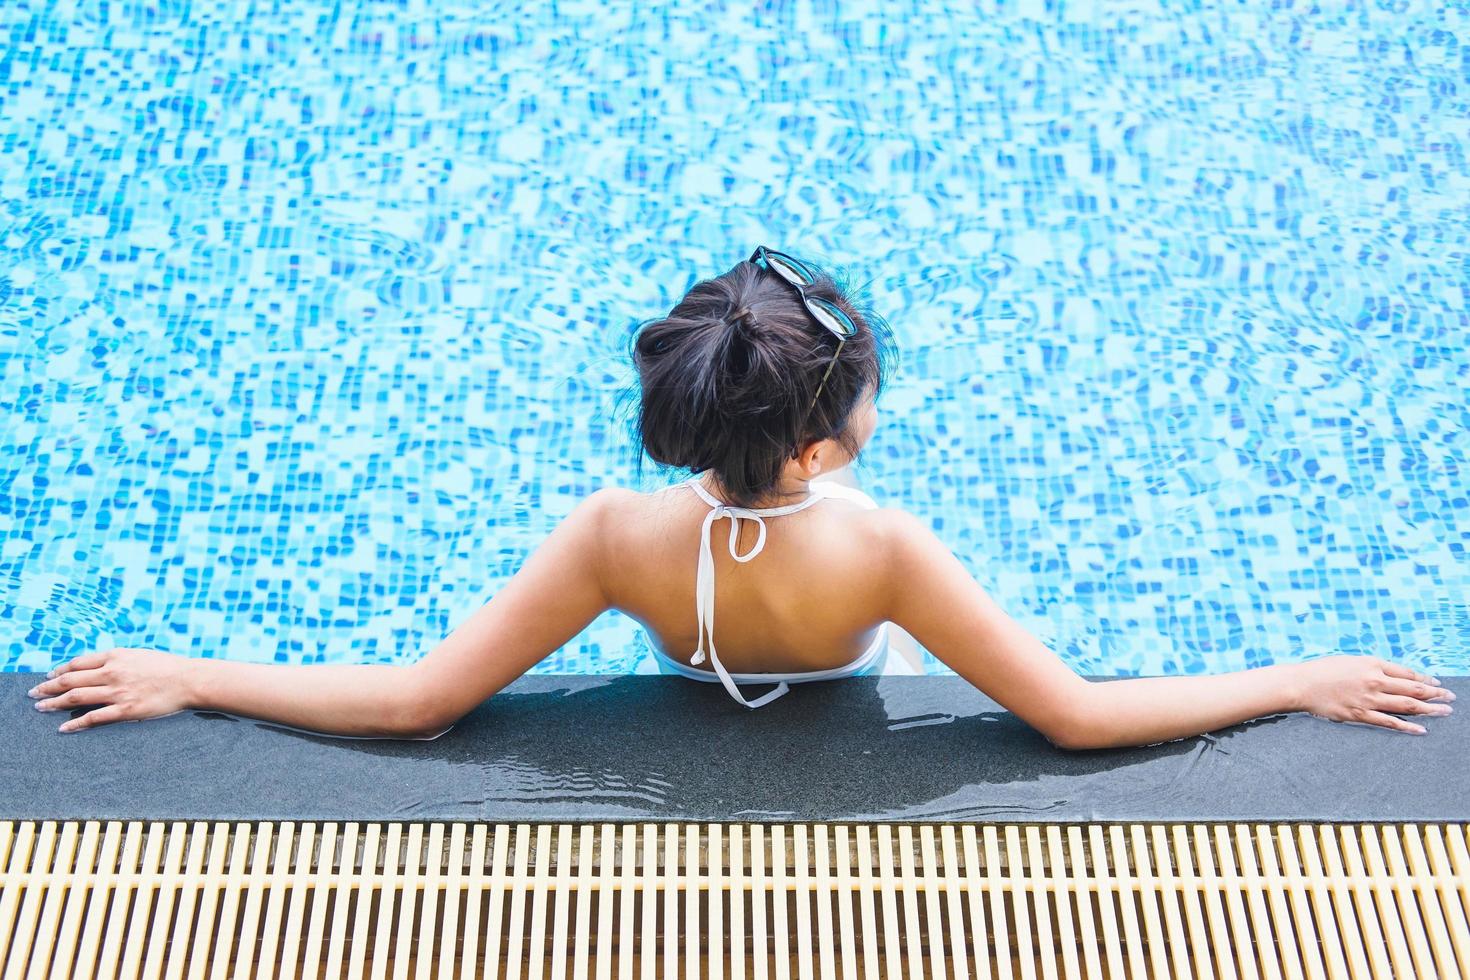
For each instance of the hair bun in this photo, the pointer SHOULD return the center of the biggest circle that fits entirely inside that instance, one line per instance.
(742, 317)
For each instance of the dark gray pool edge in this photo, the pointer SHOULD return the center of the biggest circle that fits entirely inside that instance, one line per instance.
(661, 749)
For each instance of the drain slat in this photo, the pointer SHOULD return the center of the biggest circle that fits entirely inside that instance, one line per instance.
(745, 902)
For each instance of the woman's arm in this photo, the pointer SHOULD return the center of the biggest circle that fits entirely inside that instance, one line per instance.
(362, 700)
(552, 598)
(549, 600)
(935, 599)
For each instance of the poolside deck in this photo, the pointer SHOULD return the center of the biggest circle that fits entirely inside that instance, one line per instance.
(624, 748)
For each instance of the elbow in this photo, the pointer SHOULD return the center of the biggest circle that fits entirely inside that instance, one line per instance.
(1073, 738)
(423, 724)
(1078, 727)
(427, 720)
(420, 713)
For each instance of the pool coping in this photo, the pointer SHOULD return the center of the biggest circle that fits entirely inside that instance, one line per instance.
(584, 748)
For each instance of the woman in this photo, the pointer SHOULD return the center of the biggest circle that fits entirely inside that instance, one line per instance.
(762, 381)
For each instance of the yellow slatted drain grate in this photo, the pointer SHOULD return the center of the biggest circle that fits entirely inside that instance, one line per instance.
(83, 899)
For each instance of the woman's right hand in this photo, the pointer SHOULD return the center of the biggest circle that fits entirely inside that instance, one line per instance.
(1369, 690)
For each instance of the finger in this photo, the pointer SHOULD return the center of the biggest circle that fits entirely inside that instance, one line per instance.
(1400, 705)
(67, 681)
(1389, 721)
(1407, 673)
(98, 716)
(75, 697)
(1414, 689)
(85, 662)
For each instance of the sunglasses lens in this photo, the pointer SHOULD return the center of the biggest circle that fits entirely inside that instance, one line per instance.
(789, 269)
(829, 316)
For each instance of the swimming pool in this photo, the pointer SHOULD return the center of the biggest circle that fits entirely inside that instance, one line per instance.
(314, 322)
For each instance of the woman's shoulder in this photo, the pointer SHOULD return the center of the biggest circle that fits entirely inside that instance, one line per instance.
(899, 528)
(613, 506)
(614, 499)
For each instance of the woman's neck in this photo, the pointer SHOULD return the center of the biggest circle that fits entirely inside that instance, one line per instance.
(786, 491)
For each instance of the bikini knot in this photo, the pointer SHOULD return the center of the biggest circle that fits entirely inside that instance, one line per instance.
(760, 540)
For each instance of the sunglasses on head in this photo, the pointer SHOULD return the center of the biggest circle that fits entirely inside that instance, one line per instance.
(825, 312)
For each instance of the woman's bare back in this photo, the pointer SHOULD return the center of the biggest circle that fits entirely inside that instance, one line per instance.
(808, 601)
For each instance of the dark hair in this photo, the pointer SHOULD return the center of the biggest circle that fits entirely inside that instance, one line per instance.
(727, 375)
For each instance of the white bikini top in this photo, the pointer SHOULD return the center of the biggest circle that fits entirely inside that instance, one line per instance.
(704, 582)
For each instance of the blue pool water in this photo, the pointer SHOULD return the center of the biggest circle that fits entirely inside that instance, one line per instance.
(314, 314)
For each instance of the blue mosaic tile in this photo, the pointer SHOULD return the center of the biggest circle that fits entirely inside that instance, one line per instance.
(313, 320)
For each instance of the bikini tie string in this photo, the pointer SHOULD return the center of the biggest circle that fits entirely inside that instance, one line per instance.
(704, 582)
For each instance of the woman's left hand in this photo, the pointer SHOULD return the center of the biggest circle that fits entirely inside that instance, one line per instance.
(132, 684)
